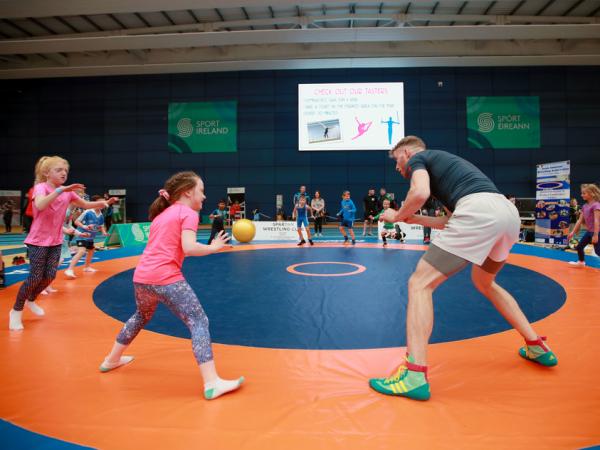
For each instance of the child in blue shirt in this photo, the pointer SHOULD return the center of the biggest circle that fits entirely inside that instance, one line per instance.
(347, 214)
(301, 215)
(88, 224)
(218, 217)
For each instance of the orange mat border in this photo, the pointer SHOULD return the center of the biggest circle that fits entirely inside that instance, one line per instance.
(483, 394)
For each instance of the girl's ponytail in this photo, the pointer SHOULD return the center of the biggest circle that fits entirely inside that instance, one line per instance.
(170, 193)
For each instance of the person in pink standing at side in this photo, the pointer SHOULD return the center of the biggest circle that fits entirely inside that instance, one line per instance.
(590, 214)
(50, 200)
(28, 214)
(158, 278)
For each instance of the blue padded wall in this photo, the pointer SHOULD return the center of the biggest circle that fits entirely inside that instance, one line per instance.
(113, 130)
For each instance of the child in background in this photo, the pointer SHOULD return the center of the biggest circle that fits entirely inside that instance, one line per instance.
(91, 221)
(158, 277)
(300, 213)
(388, 228)
(50, 201)
(218, 217)
(65, 250)
(347, 215)
(590, 214)
(234, 210)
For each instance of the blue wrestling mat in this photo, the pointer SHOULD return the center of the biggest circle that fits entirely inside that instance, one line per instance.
(320, 298)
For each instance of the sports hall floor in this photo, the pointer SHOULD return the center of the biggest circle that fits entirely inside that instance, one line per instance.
(307, 327)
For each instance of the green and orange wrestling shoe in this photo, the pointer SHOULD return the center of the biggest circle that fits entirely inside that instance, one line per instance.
(539, 352)
(410, 380)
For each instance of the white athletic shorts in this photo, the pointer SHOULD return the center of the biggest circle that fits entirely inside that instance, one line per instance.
(483, 225)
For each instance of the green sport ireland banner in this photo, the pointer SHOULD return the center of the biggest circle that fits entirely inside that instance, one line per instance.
(128, 234)
(204, 127)
(503, 122)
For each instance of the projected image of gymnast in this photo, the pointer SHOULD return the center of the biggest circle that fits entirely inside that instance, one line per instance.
(324, 131)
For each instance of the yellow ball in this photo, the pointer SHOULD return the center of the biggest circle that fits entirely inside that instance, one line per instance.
(244, 230)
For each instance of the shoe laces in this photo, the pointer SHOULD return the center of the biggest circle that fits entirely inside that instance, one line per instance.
(399, 374)
(529, 353)
(534, 353)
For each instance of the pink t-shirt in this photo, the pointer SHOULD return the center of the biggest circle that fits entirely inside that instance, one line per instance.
(46, 229)
(162, 259)
(588, 214)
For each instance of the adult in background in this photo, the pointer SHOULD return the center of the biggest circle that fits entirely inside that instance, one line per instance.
(428, 209)
(7, 215)
(301, 193)
(107, 213)
(318, 208)
(370, 204)
(28, 213)
(482, 229)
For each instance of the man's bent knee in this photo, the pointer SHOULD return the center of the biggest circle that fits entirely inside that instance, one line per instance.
(417, 283)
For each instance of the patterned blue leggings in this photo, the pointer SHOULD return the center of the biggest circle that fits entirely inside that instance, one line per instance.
(43, 263)
(182, 301)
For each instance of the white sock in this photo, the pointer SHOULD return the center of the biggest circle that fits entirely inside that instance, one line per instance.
(217, 388)
(14, 322)
(107, 366)
(35, 308)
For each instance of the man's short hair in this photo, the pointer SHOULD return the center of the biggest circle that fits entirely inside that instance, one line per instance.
(408, 141)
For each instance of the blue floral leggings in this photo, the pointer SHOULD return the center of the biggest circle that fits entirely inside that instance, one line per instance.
(182, 301)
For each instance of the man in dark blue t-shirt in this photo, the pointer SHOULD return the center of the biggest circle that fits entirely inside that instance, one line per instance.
(370, 204)
(481, 228)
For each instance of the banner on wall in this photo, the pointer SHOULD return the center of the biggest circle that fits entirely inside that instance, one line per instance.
(503, 122)
(553, 193)
(203, 127)
(128, 234)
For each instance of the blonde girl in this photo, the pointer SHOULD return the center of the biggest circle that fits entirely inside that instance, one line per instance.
(50, 200)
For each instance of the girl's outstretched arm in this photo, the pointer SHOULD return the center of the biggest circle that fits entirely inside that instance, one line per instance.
(193, 248)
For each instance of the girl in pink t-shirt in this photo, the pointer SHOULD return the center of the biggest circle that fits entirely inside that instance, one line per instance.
(158, 277)
(50, 200)
(590, 214)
